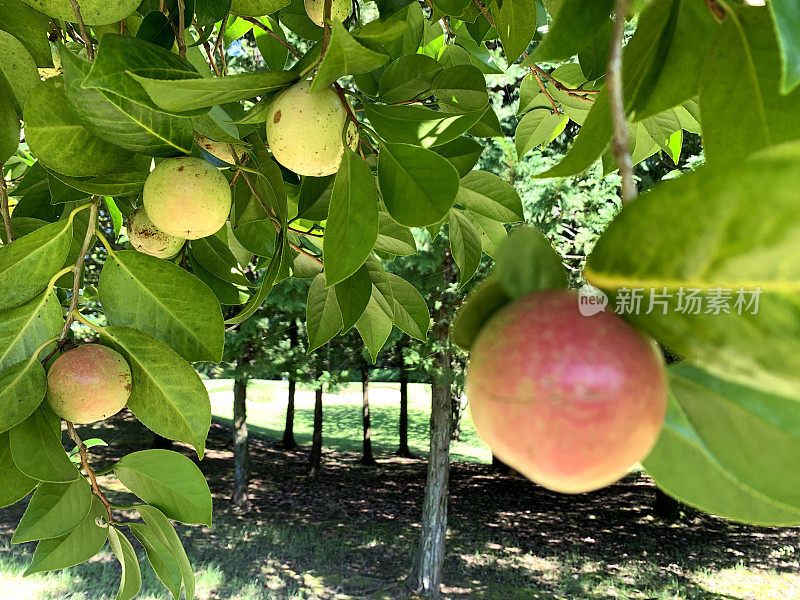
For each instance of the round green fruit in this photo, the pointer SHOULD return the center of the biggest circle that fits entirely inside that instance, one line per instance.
(304, 130)
(187, 197)
(88, 383)
(93, 12)
(220, 150)
(149, 239)
(340, 10)
(571, 402)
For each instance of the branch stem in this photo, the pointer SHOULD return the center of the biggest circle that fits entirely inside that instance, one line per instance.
(295, 52)
(616, 100)
(326, 32)
(86, 467)
(181, 33)
(4, 207)
(82, 28)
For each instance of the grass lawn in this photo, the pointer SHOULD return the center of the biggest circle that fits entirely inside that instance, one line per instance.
(351, 535)
(341, 424)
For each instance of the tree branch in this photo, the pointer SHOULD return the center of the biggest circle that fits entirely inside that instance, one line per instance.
(76, 278)
(82, 28)
(616, 99)
(4, 207)
(89, 472)
(326, 32)
(181, 33)
(295, 52)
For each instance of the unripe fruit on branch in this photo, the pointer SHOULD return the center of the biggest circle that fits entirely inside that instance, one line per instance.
(220, 150)
(149, 239)
(187, 197)
(304, 130)
(340, 10)
(571, 402)
(88, 383)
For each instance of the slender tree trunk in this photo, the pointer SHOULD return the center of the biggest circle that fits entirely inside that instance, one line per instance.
(403, 449)
(666, 507)
(241, 457)
(287, 442)
(366, 443)
(315, 458)
(426, 572)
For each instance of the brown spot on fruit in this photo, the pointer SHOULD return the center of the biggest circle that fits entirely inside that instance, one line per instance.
(180, 168)
(277, 117)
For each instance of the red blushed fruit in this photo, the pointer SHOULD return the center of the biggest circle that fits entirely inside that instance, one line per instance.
(571, 402)
(88, 383)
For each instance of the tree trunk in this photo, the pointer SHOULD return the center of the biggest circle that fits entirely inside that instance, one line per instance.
(426, 572)
(287, 442)
(403, 449)
(241, 458)
(666, 507)
(315, 458)
(366, 443)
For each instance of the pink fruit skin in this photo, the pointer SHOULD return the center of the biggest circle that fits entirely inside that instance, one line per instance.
(571, 402)
(88, 383)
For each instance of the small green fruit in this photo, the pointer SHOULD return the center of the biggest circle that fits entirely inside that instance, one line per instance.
(149, 239)
(340, 10)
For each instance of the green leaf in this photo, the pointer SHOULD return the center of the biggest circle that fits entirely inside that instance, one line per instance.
(593, 57)
(37, 450)
(418, 186)
(9, 122)
(465, 245)
(352, 296)
(323, 317)
(131, 581)
(189, 95)
(786, 16)
(161, 557)
(170, 482)
(352, 224)
(515, 21)
(744, 63)
(16, 485)
(417, 125)
(18, 68)
(527, 263)
(167, 395)
(159, 298)
(59, 140)
(375, 324)
(24, 327)
(461, 88)
(729, 450)
(536, 128)
(163, 529)
(493, 234)
(410, 313)
(54, 509)
(30, 27)
(272, 51)
(694, 238)
(268, 281)
(121, 121)
(393, 237)
(114, 184)
(408, 78)
(22, 389)
(73, 548)
(215, 256)
(463, 152)
(120, 58)
(490, 196)
(576, 22)
(489, 297)
(345, 56)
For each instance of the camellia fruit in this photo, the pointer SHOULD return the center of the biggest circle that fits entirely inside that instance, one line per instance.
(88, 383)
(219, 150)
(571, 402)
(304, 130)
(149, 239)
(340, 10)
(187, 197)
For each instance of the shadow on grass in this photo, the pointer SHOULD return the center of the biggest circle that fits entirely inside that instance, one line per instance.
(352, 534)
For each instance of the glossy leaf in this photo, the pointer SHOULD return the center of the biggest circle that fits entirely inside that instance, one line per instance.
(16, 485)
(490, 196)
(24, 327)
(22, 389)
(527, 263)
(465, 244)
(37, 450)
(323, 316)
(131, 581)
(345, 56)
(54, 510)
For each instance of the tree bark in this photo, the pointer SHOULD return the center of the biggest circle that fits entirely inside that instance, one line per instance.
(241, 457)
(288, 442)
(366, 442)
(403, 449)
(426, 572)
(315, 458)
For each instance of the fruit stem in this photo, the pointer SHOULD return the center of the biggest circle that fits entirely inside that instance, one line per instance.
(295, 52)
(87, 41)
(56, 277)
(81, 319)
(86, 467)
(104, 241)
(78, 269)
